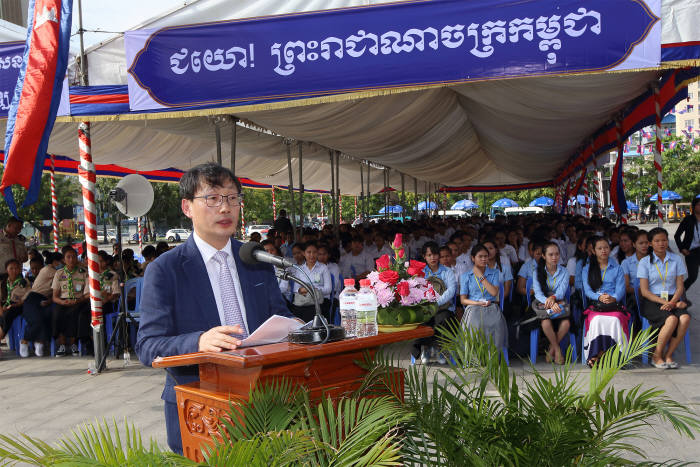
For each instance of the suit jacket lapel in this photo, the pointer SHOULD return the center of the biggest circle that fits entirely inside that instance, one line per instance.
(196, 275)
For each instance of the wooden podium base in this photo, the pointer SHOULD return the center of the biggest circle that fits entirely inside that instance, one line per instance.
(324, 370)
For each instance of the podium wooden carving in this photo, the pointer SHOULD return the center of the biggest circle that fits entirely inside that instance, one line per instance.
(328, 369)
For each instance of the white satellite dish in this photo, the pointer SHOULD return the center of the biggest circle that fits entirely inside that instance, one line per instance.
(133, 195)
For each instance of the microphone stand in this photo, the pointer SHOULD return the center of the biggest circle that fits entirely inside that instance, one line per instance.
(320, 331)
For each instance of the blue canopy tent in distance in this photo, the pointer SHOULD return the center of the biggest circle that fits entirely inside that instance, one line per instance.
(464, 205)
(504, 203)
(630, 207)
(424, 206)
(667, 195)
(580, 199)
(542, 201)
(396, 209)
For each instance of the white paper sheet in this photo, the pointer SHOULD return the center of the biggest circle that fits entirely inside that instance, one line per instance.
(274, 330)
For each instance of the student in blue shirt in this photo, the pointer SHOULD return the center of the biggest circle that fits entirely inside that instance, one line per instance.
(479, 295)
(640, 240)
(550, 286)
(527, 270)
(496, 262)
(606, 317)
(446, 301)
(661, 276)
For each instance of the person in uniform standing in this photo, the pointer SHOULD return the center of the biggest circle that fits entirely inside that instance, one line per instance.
(11, 247)
(70, 318)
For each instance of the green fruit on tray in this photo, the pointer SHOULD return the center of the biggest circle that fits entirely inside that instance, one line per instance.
(412, 316)
(383, 316)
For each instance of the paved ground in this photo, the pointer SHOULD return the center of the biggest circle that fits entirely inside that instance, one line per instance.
(47, 397)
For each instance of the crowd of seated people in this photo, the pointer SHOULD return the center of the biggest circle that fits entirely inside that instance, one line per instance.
(563, 274)
(53, 299)
(560, 274)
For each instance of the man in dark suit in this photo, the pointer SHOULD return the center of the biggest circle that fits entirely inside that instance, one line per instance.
(200, 296)
(688, 240)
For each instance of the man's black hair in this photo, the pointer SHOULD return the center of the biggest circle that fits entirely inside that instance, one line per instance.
(149, 251)
(209, 173)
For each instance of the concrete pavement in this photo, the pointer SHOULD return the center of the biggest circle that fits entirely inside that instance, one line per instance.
(48, 397)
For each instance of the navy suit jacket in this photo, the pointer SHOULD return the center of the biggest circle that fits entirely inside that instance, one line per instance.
(178, 305)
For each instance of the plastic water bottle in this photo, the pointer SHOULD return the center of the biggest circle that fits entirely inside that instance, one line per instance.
(347, 298)
(366, 310)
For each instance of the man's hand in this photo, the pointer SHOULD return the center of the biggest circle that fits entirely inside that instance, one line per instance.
(218, 339)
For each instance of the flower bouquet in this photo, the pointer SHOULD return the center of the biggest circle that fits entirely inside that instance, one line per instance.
(405, 298)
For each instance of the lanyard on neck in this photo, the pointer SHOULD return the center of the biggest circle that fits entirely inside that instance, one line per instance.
(602, 279)
(663, 278)
(478, 284)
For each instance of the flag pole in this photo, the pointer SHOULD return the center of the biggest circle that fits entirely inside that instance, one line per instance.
(88, 177)
(54, 204)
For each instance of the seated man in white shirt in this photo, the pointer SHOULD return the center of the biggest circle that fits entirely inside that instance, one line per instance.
(379, 247)
(356, 264)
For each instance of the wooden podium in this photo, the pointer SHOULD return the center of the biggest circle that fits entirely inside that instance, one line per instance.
(327, 369)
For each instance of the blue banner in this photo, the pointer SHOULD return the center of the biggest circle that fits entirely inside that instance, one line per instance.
(10, 62)
(386, 46)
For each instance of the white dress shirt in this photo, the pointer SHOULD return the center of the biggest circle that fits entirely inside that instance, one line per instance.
(214, 269)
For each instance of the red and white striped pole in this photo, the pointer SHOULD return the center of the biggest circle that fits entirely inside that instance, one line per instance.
(138, 226)
(657, 155)
(620, 153)
(355, 207)
(274, 205)
(596, 183)
(54, 205)
(86, 170)
(242, 216)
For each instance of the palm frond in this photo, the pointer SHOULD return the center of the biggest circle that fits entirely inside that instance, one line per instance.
(272, 449)
(91, 444)
(271, 407)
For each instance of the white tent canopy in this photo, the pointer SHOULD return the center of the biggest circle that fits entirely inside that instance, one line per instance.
(501, 132)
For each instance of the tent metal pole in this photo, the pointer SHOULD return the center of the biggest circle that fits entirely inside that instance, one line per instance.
(403, 196)
(217, 131)
(234, 137)
(369, 193)
(337, 185)
(415, 203)
(362, 191)
(291, 187)
(301, 187)
(333, 205)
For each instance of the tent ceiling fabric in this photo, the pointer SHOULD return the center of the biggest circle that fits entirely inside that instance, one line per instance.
(497, 132)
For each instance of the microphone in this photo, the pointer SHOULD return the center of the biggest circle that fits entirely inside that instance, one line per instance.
(316, 332)
(253, 253)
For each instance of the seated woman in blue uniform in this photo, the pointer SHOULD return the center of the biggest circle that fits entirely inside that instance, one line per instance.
(661, 275)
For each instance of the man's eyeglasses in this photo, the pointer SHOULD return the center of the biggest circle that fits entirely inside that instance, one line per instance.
(214, 201)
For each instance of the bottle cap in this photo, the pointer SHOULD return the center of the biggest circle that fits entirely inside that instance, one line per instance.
(365, 282)
(349, 282)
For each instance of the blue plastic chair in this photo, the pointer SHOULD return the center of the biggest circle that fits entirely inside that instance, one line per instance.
(535, 333)
(646, 325)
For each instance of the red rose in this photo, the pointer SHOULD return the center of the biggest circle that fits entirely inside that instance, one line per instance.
(415, 268)
(389, 277)
(398, 241)
(383, 262)
(403, 289)
(401, 253)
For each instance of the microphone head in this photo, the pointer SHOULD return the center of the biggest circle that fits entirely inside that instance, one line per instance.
(247, 250)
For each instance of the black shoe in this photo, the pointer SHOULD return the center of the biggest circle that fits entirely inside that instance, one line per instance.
(61, 352)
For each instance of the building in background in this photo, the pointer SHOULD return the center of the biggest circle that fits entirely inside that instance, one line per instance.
(688, 112)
